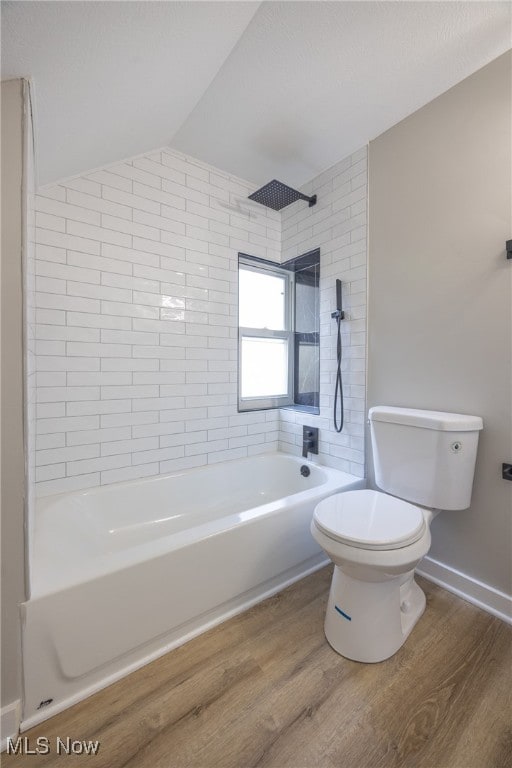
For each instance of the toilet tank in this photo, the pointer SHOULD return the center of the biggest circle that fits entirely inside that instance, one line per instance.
(426, 457)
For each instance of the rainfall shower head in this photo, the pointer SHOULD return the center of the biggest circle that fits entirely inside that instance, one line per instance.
(277, 195)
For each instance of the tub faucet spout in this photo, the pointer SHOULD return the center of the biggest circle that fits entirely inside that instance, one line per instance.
(306, 447)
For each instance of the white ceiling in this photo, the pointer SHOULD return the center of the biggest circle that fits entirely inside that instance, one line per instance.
(114, 79)
(277, 89)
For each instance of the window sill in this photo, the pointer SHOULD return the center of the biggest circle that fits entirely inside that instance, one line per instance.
(302, 409)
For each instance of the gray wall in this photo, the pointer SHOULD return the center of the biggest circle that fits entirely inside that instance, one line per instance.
(440, 293)
(12, 461)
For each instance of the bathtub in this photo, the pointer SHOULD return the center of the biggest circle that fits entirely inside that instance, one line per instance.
(123, 573)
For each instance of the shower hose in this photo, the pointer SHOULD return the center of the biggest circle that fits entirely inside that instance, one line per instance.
(338, 390)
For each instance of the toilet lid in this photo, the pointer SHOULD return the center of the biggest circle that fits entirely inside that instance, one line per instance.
(369, 520)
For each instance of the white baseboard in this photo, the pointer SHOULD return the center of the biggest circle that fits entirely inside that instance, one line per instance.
(9, 723)
(476, 592)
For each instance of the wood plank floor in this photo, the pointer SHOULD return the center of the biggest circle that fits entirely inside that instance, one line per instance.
(265, 689)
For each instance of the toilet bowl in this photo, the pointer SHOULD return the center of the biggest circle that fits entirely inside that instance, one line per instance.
(375, 542)
(424, 460)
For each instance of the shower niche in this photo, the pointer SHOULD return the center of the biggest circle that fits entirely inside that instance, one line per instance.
(306, 331)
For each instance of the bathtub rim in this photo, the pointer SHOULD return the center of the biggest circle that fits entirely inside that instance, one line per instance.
(109, 562)
(44, 501)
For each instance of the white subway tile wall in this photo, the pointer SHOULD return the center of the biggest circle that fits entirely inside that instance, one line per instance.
(136, 318)
(136, 321)
(337, 225)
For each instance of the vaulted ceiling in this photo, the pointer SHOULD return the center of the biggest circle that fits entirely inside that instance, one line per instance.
(262, 90)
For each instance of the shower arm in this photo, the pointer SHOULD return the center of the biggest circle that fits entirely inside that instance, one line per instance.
(311, 200)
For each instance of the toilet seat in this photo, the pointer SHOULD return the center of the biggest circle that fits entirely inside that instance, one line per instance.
(369, 520)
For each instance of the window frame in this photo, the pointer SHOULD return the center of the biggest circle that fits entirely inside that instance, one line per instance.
(265, 402)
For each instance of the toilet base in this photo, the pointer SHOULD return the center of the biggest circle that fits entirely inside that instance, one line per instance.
(370, 620)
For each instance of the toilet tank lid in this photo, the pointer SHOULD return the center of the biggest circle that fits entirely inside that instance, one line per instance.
(414, 417)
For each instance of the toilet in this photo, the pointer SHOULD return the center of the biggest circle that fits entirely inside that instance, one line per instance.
(424, 462)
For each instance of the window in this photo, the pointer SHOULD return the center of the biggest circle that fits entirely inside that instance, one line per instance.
(265, 352)
(279, 339)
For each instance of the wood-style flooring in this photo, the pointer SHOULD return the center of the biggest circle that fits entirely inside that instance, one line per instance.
(265, 689)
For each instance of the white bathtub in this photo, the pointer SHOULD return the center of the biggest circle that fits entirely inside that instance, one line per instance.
(124, 573)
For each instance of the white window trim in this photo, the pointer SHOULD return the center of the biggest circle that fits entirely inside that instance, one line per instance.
(264, 403)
